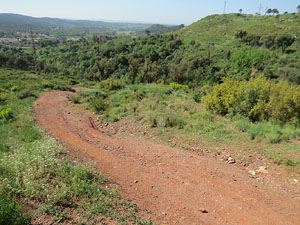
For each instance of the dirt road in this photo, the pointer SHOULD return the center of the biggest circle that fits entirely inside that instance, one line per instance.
(179, 186)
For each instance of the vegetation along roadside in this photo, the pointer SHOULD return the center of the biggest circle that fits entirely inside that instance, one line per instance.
(39, 184)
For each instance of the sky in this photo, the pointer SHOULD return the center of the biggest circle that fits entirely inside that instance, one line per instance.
(145, 11)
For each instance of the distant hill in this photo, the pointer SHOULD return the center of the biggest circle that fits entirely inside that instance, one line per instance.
(16, 22)
(241, 45)
(220, 28)
(161, 29)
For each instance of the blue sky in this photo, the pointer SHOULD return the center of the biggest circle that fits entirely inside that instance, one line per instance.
(151, 11)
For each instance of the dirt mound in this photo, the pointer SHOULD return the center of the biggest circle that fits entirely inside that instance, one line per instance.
(178, 186)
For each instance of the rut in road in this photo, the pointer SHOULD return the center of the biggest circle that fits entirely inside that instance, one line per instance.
(178, 186)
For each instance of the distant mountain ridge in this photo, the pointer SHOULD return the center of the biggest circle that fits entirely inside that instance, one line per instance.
(16, 22)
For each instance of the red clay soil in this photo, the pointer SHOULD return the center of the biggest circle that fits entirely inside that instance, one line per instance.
(178, 186)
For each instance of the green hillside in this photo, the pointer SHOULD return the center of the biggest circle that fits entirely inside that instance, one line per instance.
(218, 46)
(216, 37)
(224, 27)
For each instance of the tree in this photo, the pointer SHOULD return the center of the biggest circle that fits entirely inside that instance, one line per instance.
(133, 68)
(269, 11)
(240, 11)
(147, 32)
(284, 41)
(241, 34)
(275, 11)
(298, 8)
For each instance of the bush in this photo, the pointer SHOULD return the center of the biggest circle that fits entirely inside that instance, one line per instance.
(11, 213)
(98, 105)
(6, 114)
(111, 84)
(258, 99)
(93, 93)
(54, 86)
(242, 61)
(178, 86)
(26, 93)
(47, 84)
(76, 100)
(4, 97)
(172, 120)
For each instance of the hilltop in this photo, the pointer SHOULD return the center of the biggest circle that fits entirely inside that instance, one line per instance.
(224, 27)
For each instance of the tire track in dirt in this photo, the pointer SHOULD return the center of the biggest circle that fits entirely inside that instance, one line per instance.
(177, 185)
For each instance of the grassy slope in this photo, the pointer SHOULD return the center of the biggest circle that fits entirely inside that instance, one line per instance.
(179, 119)
(220, 28)
(35, 173)
(216, 34)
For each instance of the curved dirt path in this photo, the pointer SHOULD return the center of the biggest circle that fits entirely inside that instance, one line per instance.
(178, 186)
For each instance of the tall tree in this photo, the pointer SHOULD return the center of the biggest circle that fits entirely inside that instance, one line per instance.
(284, 41)
(275, 11)
(269, 11)
(298, 8)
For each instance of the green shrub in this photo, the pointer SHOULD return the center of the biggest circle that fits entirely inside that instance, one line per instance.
(98, 105)
(56, 86)
(72, 82)
(178, 86)
(76, 100)
(28, 133)
(6, 114)
(14, 88)
(172, 120)
(47, 84)
(197, 97)
(257, 99)
(93, 93)
(11, 213)
(26, 93)
(3, 148)
(4, 97)
(111, 84)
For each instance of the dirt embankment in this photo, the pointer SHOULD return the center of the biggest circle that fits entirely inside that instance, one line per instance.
(178, 186)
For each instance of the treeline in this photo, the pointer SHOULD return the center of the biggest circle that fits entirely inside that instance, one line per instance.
(164, 59)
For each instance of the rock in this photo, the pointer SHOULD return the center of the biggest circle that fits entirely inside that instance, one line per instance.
(231, 160)
(203, 210)
(253, 173)
(296, 181)
(262, 170)
(136, 181)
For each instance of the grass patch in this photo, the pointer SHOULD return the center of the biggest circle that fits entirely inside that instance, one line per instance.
(282, 158)
(267, 131)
